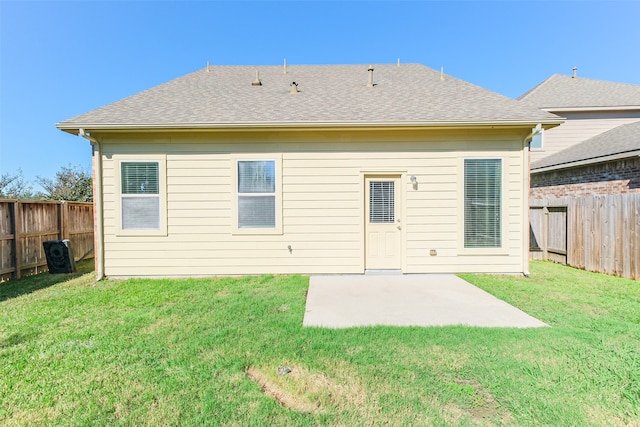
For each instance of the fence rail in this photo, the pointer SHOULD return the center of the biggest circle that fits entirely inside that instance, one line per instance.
(25, 224)
(595, 233)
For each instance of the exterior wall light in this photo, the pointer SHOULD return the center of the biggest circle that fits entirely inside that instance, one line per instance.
(414, 182)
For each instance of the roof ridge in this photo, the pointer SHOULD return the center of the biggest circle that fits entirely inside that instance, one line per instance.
(562, 91)
(599, 80)
(289, 64)
(533, 89)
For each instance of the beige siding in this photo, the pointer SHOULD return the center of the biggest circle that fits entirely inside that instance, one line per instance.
(578, 128)
(322, 202)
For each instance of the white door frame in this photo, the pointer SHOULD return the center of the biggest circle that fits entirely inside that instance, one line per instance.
(399, 218)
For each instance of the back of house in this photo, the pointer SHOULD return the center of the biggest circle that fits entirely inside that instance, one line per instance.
(312, 169)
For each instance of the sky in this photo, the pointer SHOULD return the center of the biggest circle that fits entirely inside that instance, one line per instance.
(59, 59)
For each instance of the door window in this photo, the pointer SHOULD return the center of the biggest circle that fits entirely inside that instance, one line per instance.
(381, 202)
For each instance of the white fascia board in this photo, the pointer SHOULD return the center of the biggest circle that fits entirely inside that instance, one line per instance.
(593, 108)
(73, 128)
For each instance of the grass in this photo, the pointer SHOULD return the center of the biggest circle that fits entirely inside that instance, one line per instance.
(210, 352)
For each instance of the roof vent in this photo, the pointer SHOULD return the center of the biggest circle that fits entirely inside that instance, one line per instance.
(294, 88)
(575, 72)
(257, 81)
(370, 82)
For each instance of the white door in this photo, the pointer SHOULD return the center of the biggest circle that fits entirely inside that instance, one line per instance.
(383, 229)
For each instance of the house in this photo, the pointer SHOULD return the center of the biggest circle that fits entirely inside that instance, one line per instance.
(608, 163)
(310, 169)
(595, 150)
(590, 107)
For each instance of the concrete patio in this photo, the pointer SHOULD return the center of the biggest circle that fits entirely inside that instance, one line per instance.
(344, 301)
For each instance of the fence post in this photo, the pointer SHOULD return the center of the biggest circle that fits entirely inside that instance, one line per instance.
(17, 235)
(545, 233)
(60, 221)
(64, 220)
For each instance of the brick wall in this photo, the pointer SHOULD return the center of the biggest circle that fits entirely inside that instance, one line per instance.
(615, 177)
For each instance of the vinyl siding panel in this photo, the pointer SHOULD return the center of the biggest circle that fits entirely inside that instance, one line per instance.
(322, 202)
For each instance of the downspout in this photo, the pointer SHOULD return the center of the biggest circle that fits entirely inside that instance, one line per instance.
(97, 202)
(526, 182)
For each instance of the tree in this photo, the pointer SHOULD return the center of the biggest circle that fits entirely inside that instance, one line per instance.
(72, 183)
(14, 186)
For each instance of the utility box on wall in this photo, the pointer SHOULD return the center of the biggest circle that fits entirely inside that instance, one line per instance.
(60, 257)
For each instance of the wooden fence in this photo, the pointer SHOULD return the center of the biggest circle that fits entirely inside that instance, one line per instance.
(596, 233)
(25, 224)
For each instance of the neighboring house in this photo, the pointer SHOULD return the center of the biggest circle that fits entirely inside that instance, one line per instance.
(311, 169)
(608, 163)
(591, 107)
(595, 150)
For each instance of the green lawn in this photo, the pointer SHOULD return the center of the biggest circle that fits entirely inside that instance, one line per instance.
(208, 351)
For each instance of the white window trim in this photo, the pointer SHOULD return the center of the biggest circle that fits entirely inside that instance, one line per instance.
(162, 193)
(503, 249)
(277, 158)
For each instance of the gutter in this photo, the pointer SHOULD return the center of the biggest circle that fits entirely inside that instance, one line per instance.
(97, 203)
(73, 128)
(526, 183)
(536, 130)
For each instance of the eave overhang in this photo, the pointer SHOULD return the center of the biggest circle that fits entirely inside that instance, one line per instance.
(590, 109)
(73, 128)
(585, 162)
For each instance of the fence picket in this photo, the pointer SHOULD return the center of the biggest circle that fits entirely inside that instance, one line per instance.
(601, 233)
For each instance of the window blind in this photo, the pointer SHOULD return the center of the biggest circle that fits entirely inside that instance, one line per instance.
(381, 202)
(140, 213)
(256, 212)
(482, 203)
(256, 176)
(140, 177)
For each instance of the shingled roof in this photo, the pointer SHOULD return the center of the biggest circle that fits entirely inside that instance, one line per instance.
(328, 95)
(620, 142)
(565, 92)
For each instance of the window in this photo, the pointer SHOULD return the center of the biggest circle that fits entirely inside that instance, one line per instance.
(140, 195)
(381, 202)
(257, 194)
(482, 203)
(537, 140)
(142, 201)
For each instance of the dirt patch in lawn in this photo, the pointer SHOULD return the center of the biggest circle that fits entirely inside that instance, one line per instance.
(482, 408)
(297, 388)
(293, 401)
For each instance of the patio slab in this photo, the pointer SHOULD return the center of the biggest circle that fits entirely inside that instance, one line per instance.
(344, 301)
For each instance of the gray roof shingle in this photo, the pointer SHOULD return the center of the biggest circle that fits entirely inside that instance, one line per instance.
(621, 140)
(222, 96)
(560, 91)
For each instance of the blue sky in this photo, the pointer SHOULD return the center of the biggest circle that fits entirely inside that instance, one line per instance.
(61, 59)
